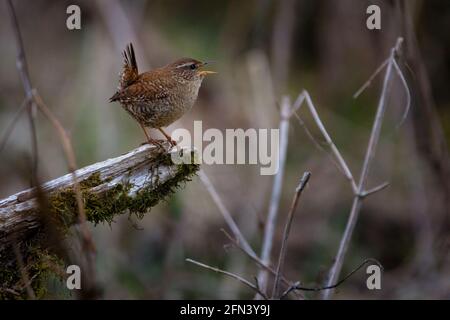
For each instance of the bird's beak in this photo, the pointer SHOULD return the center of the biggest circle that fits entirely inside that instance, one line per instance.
(205, 72)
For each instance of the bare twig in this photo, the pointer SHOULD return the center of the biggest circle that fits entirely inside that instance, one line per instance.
(287, 228)
(298, 103)
(225, 213)
(369, 82)
(232, 275)
(269, 229)
(370, 153)
(22, 67)
(408, 93)
(12, 124)
(374, 190)
(297, 285)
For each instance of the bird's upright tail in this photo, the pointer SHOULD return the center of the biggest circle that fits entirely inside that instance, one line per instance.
(130, 69)
(129, 73)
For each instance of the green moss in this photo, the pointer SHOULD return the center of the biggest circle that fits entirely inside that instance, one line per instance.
(103, 207)
(92, 181)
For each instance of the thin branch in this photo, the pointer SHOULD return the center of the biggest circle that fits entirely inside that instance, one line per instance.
(297, 285)
(370, 153)
(225, 213)
(232, 275)
(298, 191)
(408, 92)
(374, 190)
(369, 82)
(7, 132)
(298, 103)
(269, 229)
(22, 67)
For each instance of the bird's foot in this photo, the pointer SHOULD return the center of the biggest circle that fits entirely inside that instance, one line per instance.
(172, 142)
(157, 143)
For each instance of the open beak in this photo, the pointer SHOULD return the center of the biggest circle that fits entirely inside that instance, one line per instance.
(205, 72)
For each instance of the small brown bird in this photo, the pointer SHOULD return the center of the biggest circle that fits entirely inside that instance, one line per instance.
(161, 96)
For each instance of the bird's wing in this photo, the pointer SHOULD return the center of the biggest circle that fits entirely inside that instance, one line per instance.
(130, 70)
(148, 87)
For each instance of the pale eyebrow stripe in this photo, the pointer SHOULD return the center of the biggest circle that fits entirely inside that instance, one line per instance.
(185, 64)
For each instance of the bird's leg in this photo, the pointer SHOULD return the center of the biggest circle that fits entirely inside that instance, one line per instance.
(169, 138)
(150, 140)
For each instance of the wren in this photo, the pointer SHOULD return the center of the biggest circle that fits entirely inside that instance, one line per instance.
(157, 98)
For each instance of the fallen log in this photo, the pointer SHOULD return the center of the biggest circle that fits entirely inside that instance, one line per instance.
(133, 182)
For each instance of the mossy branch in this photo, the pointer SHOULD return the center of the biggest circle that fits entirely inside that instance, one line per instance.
(133, 182)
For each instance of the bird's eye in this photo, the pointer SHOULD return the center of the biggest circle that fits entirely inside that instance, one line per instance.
(193, 66)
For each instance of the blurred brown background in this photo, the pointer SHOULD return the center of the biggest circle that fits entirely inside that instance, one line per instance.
(262, 50)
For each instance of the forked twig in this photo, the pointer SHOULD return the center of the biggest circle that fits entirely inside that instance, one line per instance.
(361, 193)
(298, 191)
(232, 275)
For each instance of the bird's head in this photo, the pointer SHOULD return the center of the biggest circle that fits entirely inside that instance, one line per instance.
(189, 69)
